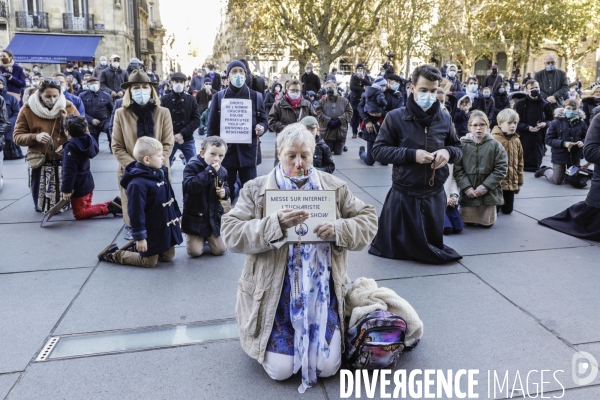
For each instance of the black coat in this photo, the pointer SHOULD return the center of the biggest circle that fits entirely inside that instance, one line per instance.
(587, 106)
(397, 143)
(153, 210)
(461, 120)
(76, 75)
(394, 100)
(357, 88)
(457, 85)
(4, 124)
(76, 174)
(202, 98)
(111, 80)
(369, 137)
(184, 113)
(202, 210)
(322, 159)
(239, 155)
(492, 81)
(553, 83)
(562, 130)
(12, 112)
(98, 106)
(591, 152)
(310, 82)
(531, 112)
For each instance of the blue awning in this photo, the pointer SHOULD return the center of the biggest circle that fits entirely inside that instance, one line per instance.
(53, 49)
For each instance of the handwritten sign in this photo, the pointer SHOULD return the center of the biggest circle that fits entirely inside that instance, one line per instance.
(319, 204)
(236, 120)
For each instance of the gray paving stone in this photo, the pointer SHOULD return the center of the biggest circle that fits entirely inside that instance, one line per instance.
(365, 177)
(32, 303)
(6, 383)
(510, 233)
(219, 370)
(581, 393)
(540, 208)
(14, 169)
(540, 187)
(361, 263)
(14, 189)
(480, 330)
(63, 244)
(184, 290)
(5, 203)
(558, 287)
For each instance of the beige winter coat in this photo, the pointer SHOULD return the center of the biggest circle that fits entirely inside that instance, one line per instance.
(246, 230)
(125, 136)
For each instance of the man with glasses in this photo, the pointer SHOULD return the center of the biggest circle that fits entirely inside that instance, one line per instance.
(554, 86)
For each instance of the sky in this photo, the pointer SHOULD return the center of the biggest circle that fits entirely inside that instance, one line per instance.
(191, 21)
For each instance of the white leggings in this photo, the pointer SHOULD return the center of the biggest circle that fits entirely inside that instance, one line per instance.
(281, 366)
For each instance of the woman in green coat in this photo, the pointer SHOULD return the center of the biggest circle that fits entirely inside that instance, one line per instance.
(480, 172)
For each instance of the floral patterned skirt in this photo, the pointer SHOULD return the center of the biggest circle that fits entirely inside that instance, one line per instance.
(44, 183)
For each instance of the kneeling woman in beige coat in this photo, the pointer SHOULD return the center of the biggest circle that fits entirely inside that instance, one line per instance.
(141, 115)
(290, 311)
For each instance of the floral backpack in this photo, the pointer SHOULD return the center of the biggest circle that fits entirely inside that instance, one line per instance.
(376, 341)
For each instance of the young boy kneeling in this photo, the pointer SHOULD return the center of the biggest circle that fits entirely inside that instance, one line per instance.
(153, 211)
(204, 186)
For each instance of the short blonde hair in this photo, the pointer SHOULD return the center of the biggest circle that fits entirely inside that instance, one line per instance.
(127, 100)
(478, 114)
(507, 115)
(146, 146)
(296, 134)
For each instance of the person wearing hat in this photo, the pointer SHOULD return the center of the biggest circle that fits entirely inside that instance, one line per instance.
(71, 71)
(134, 64)
(140, 115)
(98, 109)
(185, 116)
(493, 80)
(358, 83)
(113, 77)
(205, 94)
(240, 159)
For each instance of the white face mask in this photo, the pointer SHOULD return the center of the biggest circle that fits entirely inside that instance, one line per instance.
(103, 63)
(207, 87)
(94, 88)
(140, 96)
(63, 89)
(295, 96)
(85, 87)
(35, 70)
(35, 83)
(277, 89)
(178, 87)
(115, 65)
(452, 74)
(472, 88)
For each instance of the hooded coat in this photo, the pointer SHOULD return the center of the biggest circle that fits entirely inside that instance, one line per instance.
(514, 151)
(76, 175)
(153, 211)
(484, 163)
(562, 130)
(375, 100)
(202, 210)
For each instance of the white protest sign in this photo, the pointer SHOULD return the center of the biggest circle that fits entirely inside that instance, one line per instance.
(319, 204)
(236, 120)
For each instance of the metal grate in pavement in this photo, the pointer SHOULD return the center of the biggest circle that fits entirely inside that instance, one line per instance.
(91, 344)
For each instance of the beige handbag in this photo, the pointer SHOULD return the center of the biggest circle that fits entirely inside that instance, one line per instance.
(36, 158)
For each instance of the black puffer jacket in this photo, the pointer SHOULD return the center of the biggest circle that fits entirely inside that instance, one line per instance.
(399, 139)
(202, 210)
(357, 88)
(111, 80)
(184, 113)
(563, 130)
(322, 159)
(394, 100)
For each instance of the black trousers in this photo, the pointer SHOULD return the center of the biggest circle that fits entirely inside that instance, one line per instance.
(246, 174)
(533, 149)
(509, 202)
(355, 121)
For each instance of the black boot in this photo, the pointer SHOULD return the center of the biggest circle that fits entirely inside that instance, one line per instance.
(117, 200)
(115, 209)
(540, 172)
(106, 254)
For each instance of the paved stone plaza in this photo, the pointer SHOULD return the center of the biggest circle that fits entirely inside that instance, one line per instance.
(523, 298)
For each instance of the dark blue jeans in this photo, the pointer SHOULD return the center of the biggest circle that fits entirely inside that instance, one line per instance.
(366, 155)
(187, 148)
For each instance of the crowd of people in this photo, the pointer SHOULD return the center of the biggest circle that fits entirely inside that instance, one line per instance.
(459, 150)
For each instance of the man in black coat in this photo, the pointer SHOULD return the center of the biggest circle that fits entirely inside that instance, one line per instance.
(241, 158)
(215, 78)
(310, 80)
(457, 85)
(98, 109)
(493, 80)
(535, 114)
(358, 82)
(112, 77)
(185, 116)
(205, 95)
(554, 85)
(419, 140)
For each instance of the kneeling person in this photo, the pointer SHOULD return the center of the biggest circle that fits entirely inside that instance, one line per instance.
(204, 186)
(153, 211)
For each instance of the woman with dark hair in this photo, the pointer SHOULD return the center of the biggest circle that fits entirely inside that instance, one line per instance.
(13, 72)
(39, 126)
(140, 115)
(273, 95)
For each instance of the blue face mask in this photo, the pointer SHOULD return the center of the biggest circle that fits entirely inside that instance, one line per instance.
(571, 113)
(550, 67)
(394, 86)
(425, 100)
(487, 95)
(501, 90)
(238, 80)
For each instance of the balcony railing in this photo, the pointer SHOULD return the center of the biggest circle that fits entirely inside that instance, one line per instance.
(31, 20)
(3, 9)
(150, 46)
(78, 22)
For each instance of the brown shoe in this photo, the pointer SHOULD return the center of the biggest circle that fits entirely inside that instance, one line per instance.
(106, 254)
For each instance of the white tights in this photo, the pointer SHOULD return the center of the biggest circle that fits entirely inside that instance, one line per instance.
(281, 366)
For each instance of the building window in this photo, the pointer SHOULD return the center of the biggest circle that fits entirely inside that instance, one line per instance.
(32, 6)
(151, 13)
(131, 15)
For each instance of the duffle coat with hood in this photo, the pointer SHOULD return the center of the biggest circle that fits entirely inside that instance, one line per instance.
(483, 163)
(514, 151)
(153, 211)
(76, 175)
(564, 130)
(247, 230)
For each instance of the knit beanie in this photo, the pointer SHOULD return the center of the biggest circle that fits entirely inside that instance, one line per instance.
(235, 63)
(380, 81)
(207, 79)
(309, 121)
(360, 65)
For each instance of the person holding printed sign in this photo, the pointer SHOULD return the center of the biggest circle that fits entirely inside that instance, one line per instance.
(290, 319)
(237, 115)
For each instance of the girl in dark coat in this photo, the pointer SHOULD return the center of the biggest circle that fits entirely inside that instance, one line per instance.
(204, 187)
(462, 116)
(272, 96)
(565, 136)
(582, 220)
